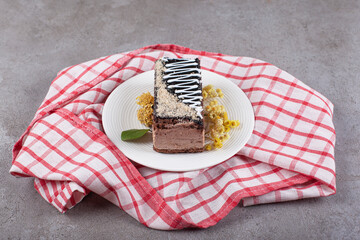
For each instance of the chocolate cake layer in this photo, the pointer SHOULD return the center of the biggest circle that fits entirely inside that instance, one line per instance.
(178, 124)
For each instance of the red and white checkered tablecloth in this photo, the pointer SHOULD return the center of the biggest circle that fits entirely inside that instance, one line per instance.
(289, 156)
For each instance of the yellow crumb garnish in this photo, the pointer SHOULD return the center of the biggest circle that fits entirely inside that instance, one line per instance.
(227, 123)
(216, 119)
(218, 145)
(145, 99)
(213, 103)
(144, 114)
(208, 87)
(217, 140)
(205, 94)
(208, 147)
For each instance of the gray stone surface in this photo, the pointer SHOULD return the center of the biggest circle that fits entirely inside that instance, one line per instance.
(316, 41)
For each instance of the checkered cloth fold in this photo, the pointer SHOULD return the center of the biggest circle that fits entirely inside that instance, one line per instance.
(289, 156)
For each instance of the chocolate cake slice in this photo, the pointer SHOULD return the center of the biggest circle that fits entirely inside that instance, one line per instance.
(178, 123)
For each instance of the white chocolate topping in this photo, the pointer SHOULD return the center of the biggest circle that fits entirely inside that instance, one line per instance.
(184, 77)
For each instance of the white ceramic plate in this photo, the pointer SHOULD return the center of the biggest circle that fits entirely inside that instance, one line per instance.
(119, 114)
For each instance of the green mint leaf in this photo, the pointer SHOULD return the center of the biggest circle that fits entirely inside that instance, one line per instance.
(133, 134)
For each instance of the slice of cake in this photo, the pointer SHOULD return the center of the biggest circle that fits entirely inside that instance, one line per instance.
(178, 123)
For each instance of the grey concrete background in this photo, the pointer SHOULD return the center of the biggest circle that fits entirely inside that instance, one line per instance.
(316, 41)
